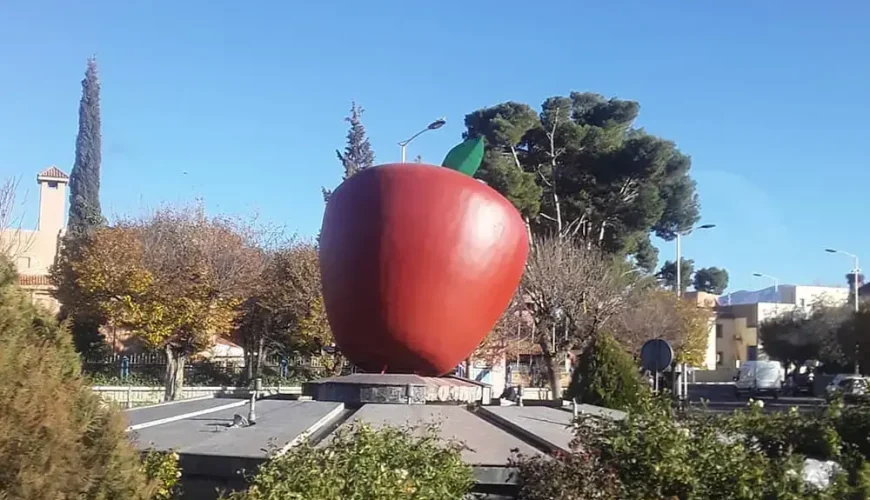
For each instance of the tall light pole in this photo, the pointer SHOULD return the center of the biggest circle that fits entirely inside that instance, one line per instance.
(432, 126)
(855, 272)
(775, 283)
(683, 386)
(680, 257)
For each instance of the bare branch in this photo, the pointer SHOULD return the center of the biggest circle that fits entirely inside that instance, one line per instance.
(13, 241)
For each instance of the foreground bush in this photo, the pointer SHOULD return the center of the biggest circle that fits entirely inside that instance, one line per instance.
(581, 475)
(653, 455)
(606, 375)
(363, 463)
(162, 468)
(57, 441)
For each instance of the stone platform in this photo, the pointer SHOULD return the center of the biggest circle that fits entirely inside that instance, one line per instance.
(387, 388)
(217, 454)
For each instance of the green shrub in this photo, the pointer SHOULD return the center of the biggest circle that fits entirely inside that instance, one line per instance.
(57, 441)
(606, 375)
(781, 434)
(137, 380)
(162, 468)
(658, 457)
(566, 476)
(363, 463)
(853, 426)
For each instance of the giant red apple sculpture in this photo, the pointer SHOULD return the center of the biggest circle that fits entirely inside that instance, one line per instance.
(418, 262)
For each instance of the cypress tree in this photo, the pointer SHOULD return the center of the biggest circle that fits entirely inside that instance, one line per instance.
(84, 214)
(84, 183)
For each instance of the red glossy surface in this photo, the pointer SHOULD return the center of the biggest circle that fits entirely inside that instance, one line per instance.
(418, 263)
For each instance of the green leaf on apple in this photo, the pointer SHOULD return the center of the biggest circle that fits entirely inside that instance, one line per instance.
(465, 157)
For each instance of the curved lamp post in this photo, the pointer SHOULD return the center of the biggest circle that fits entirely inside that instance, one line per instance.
(432, 126)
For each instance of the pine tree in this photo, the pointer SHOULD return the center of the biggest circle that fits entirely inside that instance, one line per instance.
(84, 184)
(358, 153)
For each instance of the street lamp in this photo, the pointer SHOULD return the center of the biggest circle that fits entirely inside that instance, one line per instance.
(679, 256)
(855, 272)
(775, 283)
(683, 386)
(432, 126)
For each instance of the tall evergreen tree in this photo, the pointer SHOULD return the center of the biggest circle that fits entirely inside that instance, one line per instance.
(84, 184)
(711, 280)
(580, 166)
(84, 215)
(358, 153)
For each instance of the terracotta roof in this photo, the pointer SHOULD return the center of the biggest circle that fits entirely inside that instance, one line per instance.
(34, 280)
(53, 172)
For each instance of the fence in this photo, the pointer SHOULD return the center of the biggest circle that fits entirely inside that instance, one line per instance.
(135, 396)
(150, 367)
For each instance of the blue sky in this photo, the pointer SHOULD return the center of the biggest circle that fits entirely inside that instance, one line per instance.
(242, 103)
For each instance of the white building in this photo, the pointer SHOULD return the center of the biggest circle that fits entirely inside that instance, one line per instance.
(739, 314)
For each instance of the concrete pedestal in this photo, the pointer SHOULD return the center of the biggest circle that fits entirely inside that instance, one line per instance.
(361, 388)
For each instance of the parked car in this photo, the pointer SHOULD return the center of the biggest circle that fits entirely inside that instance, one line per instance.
(758, 378)
(856, 390)
(801, 383)
(845, 384)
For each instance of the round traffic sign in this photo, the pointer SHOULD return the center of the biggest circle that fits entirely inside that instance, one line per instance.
(656, 355)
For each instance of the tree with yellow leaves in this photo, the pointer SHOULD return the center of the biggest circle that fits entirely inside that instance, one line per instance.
(285, 315)
(659, 314)
(175, 279)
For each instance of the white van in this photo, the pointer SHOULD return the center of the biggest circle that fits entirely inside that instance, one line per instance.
(760, 377)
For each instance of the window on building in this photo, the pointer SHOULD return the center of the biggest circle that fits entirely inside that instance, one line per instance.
(719, 330)
(803, 302)
(719, 358)
(52, 184)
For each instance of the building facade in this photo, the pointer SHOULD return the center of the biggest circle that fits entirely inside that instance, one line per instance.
(706, 301)
(738, 316)
(33, 251)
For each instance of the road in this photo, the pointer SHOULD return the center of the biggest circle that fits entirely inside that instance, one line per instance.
(721, 399)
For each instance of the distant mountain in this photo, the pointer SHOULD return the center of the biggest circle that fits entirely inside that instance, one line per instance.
(768, 294)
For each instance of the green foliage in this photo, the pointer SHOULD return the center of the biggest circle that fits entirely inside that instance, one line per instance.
(711, 280)
(657, 454)
(781, 434)
(57, 440)
(825, 334)
(580, 475)
(502, 174)
(358, 152)
(614, 184)
(363, 463)
(660, 457)
(163, 470)
(853, 426)
(84, 182)
(607, 376)
(668, 274)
